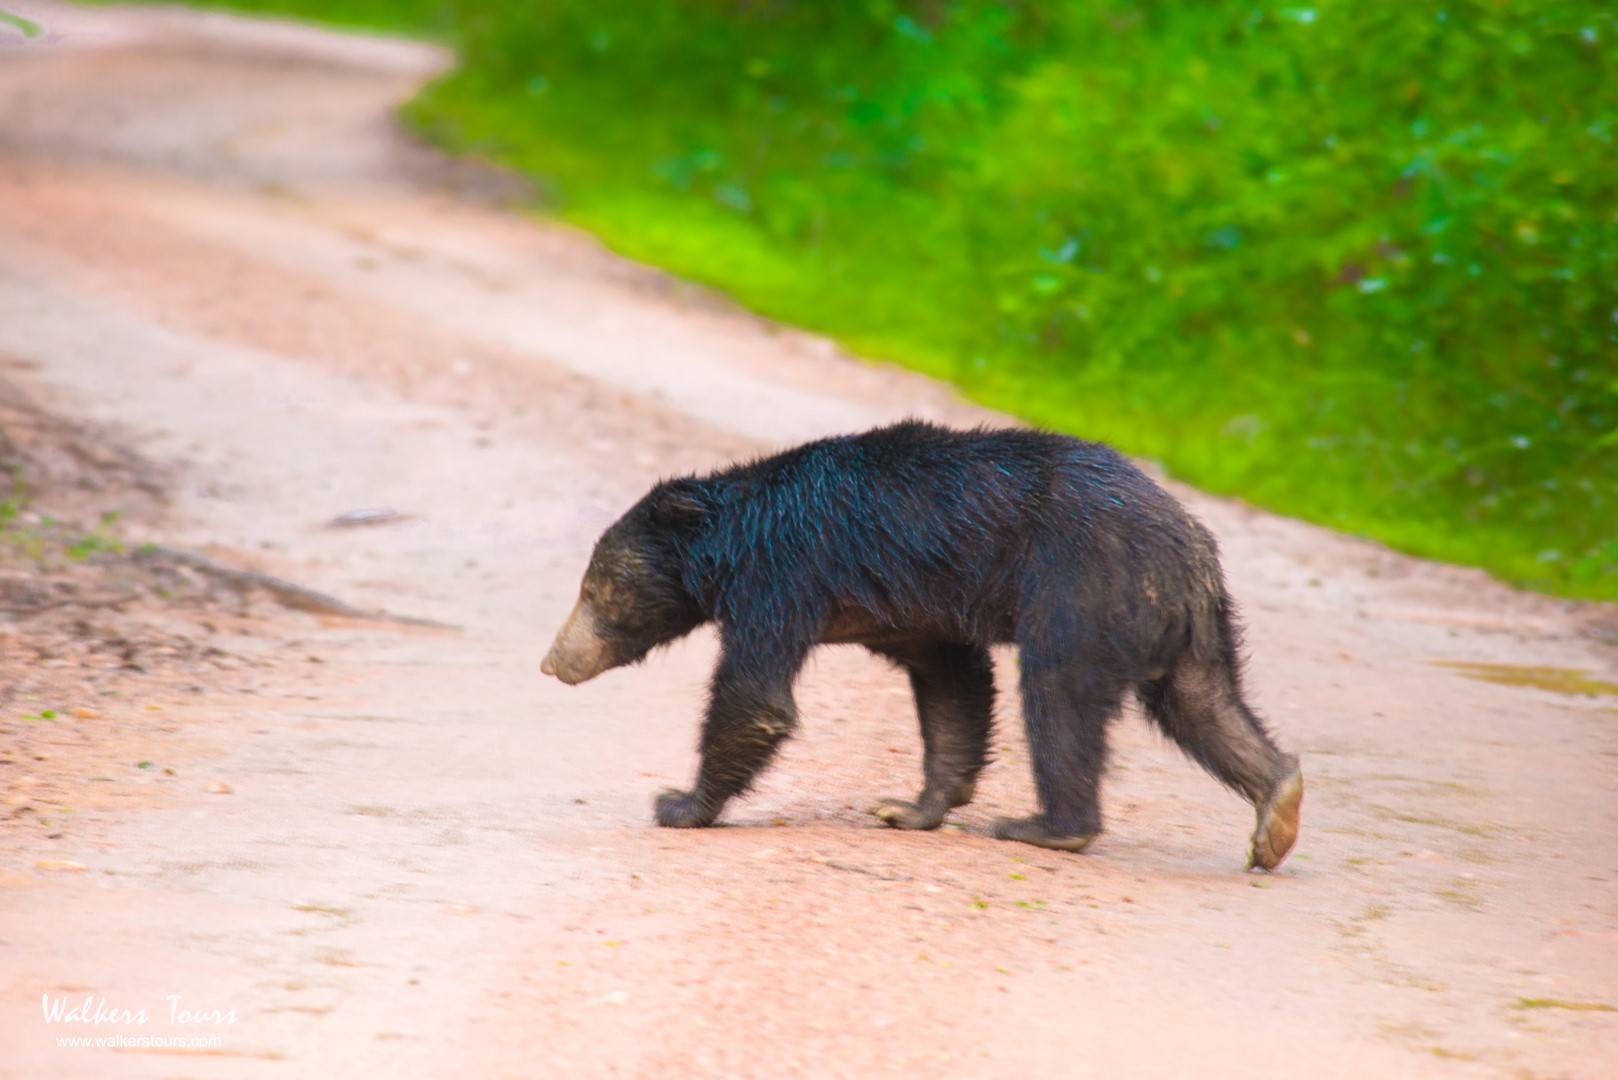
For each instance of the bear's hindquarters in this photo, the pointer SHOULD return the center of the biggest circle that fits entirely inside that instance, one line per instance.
(1199, 705)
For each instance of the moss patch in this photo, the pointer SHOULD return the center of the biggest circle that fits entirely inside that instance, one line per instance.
(1555, 679)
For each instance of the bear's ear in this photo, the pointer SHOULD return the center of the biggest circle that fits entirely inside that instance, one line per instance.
(680, 504)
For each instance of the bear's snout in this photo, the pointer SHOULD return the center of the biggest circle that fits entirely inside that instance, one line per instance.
(579, 653)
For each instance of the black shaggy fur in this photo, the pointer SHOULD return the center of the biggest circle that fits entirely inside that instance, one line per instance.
(927, 545)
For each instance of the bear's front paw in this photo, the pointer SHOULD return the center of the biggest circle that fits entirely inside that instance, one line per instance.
(1037, 831)
(906, 815)
(682, 810)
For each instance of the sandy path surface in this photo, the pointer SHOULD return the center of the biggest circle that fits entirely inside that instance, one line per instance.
(436, 862)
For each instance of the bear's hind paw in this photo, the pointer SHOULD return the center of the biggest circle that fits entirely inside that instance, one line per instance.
(1035, 830)
(1277, 823)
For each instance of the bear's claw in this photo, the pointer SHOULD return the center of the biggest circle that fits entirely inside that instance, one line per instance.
(1034, 830)
(1277, 827)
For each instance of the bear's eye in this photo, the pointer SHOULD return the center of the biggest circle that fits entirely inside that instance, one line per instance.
(600, 591)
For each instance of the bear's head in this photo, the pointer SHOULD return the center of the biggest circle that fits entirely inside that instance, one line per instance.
(634, 595)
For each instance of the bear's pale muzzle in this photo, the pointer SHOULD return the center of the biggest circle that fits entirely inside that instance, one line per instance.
(579, 652)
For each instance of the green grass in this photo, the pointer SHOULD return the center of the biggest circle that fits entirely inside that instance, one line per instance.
(1557, 1003)
(29, 29)
(414, 18)
(1354, 261)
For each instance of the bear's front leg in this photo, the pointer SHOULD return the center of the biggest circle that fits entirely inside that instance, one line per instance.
(750, 711)
(954, 689)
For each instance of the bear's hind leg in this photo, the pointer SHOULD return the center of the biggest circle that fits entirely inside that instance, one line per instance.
(954, 688)
(1068, 701)
(1199, 706)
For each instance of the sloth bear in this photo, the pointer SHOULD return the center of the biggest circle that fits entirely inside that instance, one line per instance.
(927, 545)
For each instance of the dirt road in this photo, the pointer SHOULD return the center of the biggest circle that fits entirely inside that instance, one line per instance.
(434, 862)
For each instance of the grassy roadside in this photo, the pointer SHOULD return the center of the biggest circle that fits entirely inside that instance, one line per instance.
(1357, 263)
(27, 28)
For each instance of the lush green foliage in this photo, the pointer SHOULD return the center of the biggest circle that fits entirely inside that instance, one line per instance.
(418, 18)
(1357, 261)
(25, 27)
